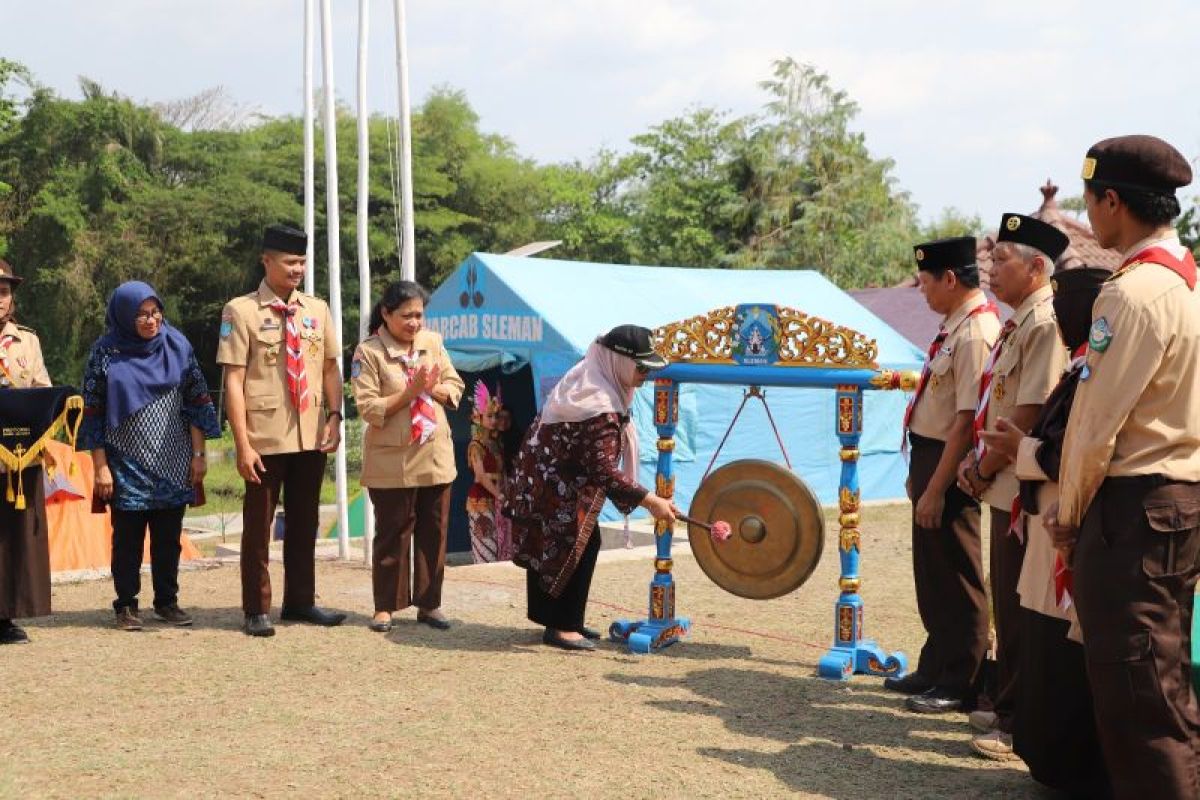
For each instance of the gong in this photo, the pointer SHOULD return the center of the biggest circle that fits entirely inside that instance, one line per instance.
(778, 530)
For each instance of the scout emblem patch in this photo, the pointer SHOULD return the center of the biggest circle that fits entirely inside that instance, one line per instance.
(226, 325)
(1100, 335)
(355, 368)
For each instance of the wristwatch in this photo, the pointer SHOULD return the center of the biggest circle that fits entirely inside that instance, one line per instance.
(335, 411)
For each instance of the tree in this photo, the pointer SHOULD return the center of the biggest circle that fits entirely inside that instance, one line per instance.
(952, 222)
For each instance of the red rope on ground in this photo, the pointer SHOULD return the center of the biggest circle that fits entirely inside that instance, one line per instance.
(615, 607)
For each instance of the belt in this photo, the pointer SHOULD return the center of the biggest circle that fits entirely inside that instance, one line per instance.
(1152, 481)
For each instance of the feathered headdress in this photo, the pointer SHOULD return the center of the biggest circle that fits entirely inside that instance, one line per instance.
(484, 402)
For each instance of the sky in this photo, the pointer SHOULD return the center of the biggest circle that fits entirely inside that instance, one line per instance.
(978, 103)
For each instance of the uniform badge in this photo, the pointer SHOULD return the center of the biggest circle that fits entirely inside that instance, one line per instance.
(271, 356)
(920, 254)
(1089, 169)
(226, 328)
(355, 368)
(270, 325)
(1085, 373)
(1100, 335)
(1013, 223)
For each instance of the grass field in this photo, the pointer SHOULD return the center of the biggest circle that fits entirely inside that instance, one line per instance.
(483, 710)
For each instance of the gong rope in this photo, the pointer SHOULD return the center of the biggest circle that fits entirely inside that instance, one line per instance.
(753, 391)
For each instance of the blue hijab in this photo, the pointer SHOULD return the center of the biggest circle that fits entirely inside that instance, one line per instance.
(141, 370)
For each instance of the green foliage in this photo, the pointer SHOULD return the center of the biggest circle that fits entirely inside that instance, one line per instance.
(101, 190)
(952, 222)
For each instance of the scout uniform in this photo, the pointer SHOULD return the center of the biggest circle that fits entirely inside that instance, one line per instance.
(406, 470)
(24, 535)
(1129, 483)
(1022, 370)
(947, 561)
(284, 423)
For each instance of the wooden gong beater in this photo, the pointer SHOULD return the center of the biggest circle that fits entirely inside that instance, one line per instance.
(778, 529)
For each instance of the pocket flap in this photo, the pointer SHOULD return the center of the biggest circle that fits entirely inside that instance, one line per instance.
(1113, 648)
(264, 402)
(940, 364)
(1173, 515)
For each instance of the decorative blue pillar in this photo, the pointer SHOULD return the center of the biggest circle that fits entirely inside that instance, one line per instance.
(851, 653)
(661, 628)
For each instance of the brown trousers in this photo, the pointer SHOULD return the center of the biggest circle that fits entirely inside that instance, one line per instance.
(404, 518)
(1005, 556)
(25, 552)
(299, 476)
(1136, 566)
(948, 571)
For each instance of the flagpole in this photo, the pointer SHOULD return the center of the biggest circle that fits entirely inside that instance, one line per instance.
(309, 157)
(364, 256)
(332, 231)
(408, 248)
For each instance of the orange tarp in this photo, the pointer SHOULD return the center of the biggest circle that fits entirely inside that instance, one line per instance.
(79, 539)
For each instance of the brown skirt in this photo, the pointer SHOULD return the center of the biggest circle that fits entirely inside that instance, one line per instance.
(25, 553)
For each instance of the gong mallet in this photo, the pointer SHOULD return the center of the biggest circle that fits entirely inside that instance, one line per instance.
(719, 530)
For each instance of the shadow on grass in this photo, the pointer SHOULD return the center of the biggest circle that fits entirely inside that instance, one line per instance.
(840, 742)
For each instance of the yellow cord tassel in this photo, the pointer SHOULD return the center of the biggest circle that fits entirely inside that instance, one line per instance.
(20, 504)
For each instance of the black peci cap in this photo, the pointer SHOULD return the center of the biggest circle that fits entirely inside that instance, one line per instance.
(285, 239)
(1039, 235)
(633, 341)
(943, 254)
(1139, 162)
(1075, 291)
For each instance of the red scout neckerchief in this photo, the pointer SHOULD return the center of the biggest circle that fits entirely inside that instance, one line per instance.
(985, 389)
(933, 350)
(424, 418)
(1183, 267)
(296, 378)
(5, 372)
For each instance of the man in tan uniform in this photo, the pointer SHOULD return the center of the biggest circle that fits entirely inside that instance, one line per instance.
(1021, 371)
(947, 560)
(24, 536)
(1129, 502)
(280, 366)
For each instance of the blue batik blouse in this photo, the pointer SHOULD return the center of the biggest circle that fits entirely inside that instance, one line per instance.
(150, 451)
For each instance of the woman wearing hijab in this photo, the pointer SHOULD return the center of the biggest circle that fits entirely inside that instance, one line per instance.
(566, 467)
(147, 412)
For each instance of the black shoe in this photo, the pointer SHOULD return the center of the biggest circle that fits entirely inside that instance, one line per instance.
(258, 625)
(590, 633)
(912, 683)
(381, 626)
(936, 701)
(12, 634)
(313, 616)
(433, 622)
(554, 640)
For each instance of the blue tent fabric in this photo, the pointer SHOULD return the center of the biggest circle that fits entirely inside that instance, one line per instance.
(509, 311)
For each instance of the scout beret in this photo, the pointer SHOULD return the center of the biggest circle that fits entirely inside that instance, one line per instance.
(7, 273)
(1039, 235)
(943, 254)
(285, 239)
(1140, 162)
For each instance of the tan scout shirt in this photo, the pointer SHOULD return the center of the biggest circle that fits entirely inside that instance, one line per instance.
(21, 365)
(1030, 363)
(1138, 410)
(955, 369)
(390, 459)
(252, 336)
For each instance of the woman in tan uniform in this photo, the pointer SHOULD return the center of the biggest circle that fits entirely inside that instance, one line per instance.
(403, 378)
(24, 544)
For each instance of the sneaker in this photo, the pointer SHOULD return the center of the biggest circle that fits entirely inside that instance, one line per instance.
(128, 619)
(982, 721)
(996, 745)
(173, 615)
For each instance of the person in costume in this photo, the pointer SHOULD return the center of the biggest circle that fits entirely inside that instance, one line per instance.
(283, 399)
(566, 467)
(510, 443)
(1128, 511)
(946, 543)
(147, 412)
(24, 535)
(1054, 729)
(1022, 369)
(403, 382)
(486, 459)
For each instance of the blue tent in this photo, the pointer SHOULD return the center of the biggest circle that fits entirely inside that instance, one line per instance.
(534, 318)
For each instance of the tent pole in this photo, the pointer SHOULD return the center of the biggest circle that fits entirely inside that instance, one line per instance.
(408, 252)
(309, 158)
(364, 256)
(333, 232)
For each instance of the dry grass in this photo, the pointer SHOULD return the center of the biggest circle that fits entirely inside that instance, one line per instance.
(483, 710)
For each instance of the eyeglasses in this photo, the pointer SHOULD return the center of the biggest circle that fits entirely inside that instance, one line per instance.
(147, 316)
(643, 369)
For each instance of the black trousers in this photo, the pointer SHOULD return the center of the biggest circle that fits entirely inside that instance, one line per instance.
(565, 612)
(129, 539)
